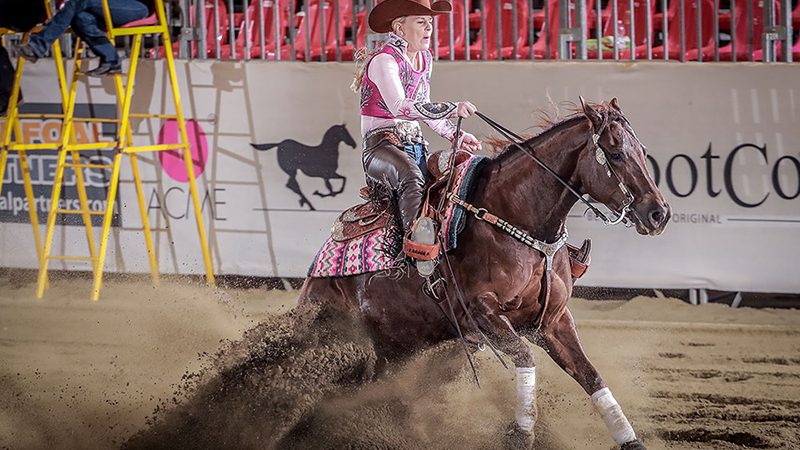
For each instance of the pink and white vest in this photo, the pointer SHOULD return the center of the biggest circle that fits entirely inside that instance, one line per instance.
(415, 84)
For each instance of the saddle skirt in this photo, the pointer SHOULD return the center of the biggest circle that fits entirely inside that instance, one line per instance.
(367, 237)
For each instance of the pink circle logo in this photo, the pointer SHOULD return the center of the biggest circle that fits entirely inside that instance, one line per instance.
(172, 160)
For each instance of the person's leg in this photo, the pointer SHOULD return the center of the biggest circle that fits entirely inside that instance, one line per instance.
(390, 165)
(39, 42)
(87, 25)
(86, 17)
(6, 80)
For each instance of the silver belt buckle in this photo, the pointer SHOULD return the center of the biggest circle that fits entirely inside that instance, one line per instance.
(407, 132)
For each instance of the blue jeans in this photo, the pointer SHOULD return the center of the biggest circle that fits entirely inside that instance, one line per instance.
(86, 18)
(418, 154)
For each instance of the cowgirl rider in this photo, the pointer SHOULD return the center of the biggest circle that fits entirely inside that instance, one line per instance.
(394, 84)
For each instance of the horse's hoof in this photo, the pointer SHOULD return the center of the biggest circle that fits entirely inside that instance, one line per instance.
(517, 438)
(633, 445)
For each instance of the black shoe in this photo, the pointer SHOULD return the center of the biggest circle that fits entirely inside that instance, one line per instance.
(105, 68)
(27, 51)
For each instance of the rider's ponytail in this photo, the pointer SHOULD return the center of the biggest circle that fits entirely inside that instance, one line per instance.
(360, 58)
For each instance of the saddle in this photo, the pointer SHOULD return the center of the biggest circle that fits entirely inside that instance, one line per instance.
(362, 219)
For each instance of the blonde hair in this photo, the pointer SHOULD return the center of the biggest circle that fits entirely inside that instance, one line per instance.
(362, 55)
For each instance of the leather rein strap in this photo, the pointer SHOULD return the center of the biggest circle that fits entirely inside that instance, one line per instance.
(548, 249)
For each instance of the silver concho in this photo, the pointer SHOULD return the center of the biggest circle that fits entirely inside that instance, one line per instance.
(444, 160)
(349, 216)
(337, 230)
(600, 156)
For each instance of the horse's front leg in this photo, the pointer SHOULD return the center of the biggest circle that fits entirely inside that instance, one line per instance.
(503, 335)
(562, 343)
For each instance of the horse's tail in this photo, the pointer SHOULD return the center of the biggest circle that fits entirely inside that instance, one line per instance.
(263, 147)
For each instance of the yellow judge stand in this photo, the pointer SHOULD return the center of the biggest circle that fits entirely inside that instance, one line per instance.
(122, 145)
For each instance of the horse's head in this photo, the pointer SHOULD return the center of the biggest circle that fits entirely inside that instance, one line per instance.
(618, 163)
(340, 132)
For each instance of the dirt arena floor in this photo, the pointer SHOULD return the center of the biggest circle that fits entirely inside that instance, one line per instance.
(78, 374)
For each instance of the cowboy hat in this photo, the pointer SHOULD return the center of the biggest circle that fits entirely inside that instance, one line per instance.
(381, 17)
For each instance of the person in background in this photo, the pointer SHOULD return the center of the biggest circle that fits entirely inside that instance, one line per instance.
(87, 19)
(20, 16)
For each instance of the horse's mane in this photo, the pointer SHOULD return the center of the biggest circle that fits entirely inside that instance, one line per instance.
(549, 121)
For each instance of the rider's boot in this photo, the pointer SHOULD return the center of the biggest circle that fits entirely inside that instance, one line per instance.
(420, 244)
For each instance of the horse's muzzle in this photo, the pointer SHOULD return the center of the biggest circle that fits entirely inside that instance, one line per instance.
(657, 218)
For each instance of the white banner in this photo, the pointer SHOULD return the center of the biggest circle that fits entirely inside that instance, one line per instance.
(724, 141)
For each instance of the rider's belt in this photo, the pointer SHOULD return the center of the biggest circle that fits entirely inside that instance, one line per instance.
(399, 135)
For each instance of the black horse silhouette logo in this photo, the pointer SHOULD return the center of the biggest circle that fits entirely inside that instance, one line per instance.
(321, 161)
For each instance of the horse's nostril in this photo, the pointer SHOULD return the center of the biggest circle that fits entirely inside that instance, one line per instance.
(656, 217)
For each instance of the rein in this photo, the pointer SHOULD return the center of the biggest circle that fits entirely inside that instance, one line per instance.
(520, 143)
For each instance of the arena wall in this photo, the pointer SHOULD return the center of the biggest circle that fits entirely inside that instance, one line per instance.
(724, 142)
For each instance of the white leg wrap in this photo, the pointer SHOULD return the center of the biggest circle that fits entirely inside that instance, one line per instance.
(526, 398)
(615, 420)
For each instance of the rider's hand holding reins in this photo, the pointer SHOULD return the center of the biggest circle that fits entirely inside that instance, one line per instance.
(469, 143)
(465, 109)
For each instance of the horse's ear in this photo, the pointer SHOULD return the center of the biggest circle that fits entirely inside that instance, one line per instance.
(592, 114)
(615, 104)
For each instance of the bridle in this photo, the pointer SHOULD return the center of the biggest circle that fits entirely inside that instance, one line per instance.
(600, 157)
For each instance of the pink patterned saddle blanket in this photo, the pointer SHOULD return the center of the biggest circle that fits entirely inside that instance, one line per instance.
(365, 238)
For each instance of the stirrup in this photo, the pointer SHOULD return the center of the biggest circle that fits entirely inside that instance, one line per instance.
(418, 250)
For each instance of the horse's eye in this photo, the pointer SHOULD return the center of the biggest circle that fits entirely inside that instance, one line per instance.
(615, 156)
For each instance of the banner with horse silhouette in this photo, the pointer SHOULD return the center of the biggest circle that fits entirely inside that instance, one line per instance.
(278, 152)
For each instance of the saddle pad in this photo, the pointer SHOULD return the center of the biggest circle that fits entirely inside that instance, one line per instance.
(455, 217)
(371, 252)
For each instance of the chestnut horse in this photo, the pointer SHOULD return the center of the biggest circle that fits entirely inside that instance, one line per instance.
(507, 293)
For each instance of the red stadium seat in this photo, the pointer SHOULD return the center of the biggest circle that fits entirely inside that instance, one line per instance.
(361, 39)
(506, 26)
(317, 45)
(459, 33)
(743, 49)
(549, 31)
(642, 34)
(796, 16)
(253, 33)
(690, 27)
(222, 37)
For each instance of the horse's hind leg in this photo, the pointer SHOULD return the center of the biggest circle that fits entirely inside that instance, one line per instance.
(562, 343)
(295, 187)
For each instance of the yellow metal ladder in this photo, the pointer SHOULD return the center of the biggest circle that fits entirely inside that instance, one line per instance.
(12, 136)
(123, 144)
